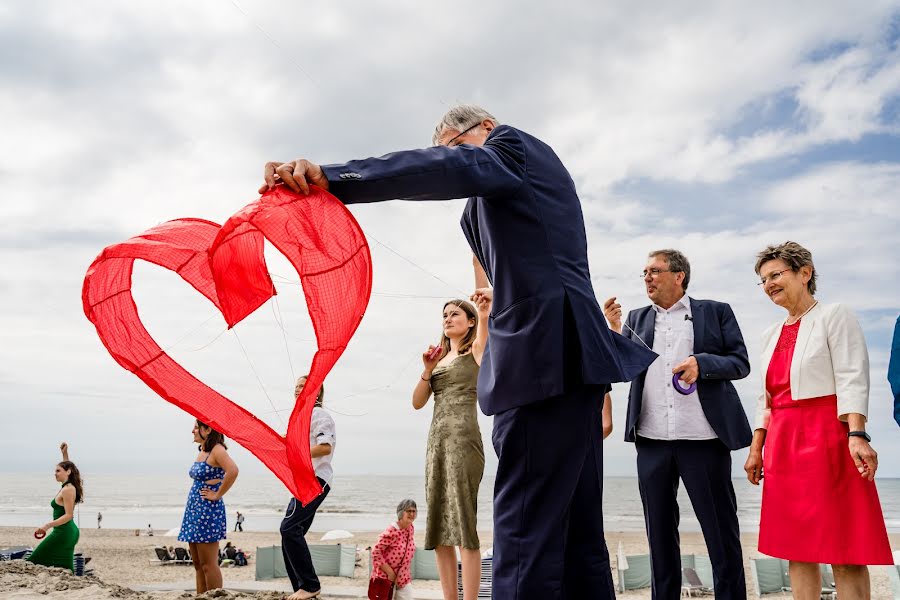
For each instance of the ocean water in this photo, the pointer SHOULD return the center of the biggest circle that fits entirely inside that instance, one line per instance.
(356, 503)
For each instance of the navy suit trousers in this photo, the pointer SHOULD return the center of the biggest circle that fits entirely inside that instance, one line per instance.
(705, 468)
(548, 516)
(297, 559)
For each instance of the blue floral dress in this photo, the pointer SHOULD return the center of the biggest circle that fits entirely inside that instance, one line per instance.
(204, 521)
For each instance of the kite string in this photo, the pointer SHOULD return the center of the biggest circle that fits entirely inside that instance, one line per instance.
(284, 54)
(361, 393)
(280, 321)
(285, 281)
(271, 39)
(191, 331)
(256, 374)
(413, 263)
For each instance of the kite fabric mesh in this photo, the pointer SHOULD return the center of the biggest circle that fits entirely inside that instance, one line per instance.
(226, 264)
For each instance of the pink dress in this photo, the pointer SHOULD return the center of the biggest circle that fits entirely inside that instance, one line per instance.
(815, 506)
(396, 548)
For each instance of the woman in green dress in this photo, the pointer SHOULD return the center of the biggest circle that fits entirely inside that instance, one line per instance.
(455, 455)
(58, 548)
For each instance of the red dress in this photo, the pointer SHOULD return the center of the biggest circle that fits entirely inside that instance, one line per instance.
(815, 506)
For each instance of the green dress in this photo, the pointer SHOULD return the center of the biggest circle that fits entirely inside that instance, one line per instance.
(58, 548)
(454, 461)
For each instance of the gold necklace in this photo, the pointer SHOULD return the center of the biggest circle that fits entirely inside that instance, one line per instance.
(812, 306)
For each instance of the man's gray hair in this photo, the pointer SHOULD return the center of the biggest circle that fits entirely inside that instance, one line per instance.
(404, 506)
(678, 263)
(461, 118)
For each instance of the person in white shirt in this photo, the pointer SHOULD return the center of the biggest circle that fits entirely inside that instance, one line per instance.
(298, 519)
(685, 418)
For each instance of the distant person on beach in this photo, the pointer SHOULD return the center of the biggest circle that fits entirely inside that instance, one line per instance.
(454, 461)
(149, 530)
(99, 519)
(551, 356)
(686, 434)
(203, 526)
(810, 448)
(298, 519)
(58, 548)
(393, 553)
(239, 522)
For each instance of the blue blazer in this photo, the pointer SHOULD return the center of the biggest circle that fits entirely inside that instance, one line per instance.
(894, 370)
(524, 223)
(722, 357)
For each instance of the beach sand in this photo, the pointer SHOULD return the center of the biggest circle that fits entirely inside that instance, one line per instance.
(121, 560)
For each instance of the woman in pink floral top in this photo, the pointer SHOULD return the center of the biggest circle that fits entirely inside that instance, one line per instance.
(393, 553)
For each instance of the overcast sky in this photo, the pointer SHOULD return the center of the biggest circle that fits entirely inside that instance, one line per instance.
(716, 128)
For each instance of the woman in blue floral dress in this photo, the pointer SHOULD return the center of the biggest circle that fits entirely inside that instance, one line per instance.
(204, 516)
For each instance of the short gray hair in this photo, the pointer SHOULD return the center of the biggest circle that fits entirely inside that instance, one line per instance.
(461, 118)
(678, 263)
(794, 256)
(404, 506)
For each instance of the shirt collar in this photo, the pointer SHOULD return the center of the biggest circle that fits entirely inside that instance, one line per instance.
(684, 301)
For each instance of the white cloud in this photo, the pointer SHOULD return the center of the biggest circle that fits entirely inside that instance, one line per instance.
(115, 119)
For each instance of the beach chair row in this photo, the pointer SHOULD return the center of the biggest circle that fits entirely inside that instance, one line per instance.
(181, 557)
(696, 574)
(769, 575)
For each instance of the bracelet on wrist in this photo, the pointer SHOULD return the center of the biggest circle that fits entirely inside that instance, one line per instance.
(428, 380)
(861, 434)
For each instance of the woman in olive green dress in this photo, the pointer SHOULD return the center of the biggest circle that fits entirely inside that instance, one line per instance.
(58, 549)
(455, 456)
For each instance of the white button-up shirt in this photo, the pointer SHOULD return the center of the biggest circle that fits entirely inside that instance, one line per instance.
(321, 431)
(665, 413)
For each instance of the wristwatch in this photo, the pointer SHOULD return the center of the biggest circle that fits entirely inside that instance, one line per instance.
(861, 434)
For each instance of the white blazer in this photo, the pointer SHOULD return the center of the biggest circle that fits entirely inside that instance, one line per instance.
(830, 358)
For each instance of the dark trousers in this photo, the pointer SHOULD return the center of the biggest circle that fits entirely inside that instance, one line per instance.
(705, 468)
(548, 518)
(297, 560)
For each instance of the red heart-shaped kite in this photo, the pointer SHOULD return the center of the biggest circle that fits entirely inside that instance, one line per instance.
(326, 246)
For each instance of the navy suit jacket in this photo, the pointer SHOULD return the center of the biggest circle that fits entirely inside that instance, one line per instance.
(524, 224)
(722, 357)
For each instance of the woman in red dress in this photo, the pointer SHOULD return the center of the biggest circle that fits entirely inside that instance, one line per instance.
(819, 467)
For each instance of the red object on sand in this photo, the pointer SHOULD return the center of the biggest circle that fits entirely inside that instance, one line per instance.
(326, 246)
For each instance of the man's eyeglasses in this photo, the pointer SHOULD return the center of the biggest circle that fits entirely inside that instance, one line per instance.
(450, 143)
(653, 273)
(773, 277)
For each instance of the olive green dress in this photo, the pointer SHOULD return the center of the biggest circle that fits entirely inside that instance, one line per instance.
(58, 548)
(454, 462)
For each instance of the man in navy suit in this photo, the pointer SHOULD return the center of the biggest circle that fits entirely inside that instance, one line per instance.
(550, 356)
(686, 435)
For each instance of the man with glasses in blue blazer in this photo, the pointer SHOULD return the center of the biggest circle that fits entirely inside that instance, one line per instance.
(685, 418)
